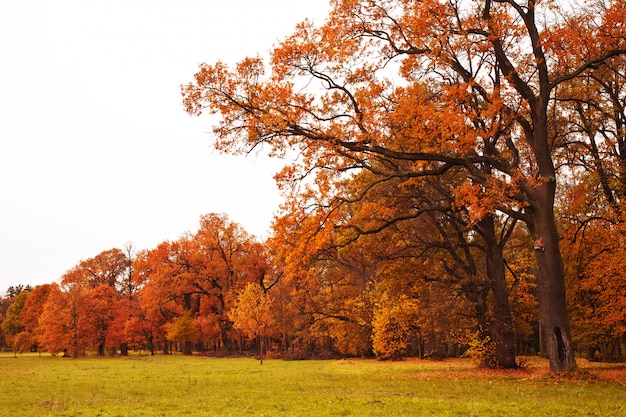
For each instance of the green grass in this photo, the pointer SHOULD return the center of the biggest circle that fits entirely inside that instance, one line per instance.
(196, 386)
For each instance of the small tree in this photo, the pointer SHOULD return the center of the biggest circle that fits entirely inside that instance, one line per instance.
(252, 314)
(183, 330)
(393, 326)
(12, 325)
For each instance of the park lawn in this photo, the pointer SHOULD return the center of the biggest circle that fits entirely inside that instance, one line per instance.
(199, 386)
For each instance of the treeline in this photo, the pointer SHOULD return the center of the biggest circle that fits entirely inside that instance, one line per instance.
(419, 288)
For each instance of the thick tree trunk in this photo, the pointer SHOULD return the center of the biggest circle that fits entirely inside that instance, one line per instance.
(553, 315)
(501, 326)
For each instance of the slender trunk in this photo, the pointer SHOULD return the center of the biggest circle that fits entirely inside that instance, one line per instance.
(75, 341)
(150, 345)
(501, 326)
(261, 348)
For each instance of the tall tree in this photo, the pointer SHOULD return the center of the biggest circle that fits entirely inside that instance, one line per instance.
(492, 70)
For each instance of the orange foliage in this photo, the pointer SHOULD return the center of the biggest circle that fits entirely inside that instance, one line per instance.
(444, 85)
(33, 308)
(415, 126)
(64, 320)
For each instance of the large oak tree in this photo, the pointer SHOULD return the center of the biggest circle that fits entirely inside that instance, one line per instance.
(474, 85)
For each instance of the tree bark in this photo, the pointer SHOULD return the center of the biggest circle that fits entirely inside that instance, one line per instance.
(261, 343)
(553, 314)
(501, 326)
(188, 348)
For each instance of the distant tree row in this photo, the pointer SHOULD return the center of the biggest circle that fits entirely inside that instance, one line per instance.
(419, 288)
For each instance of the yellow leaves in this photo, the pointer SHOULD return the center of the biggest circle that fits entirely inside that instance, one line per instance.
(182, 329)
(252, 312)
(393, 326)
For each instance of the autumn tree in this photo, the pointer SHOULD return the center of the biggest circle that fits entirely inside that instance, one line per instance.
(252, 314)
(101, 310)
(323, 288)
(594, 239)
(338, 282)
(595, 265)
(157, 299)
(64, 322)
(182, 330)
(201, 273)
(143, 324)
(142, 328)
(32, 311)
(394, 326)
(5, 303)
(13, 326)
(492, 69)
(427, 223)
(592, 210)
(179, 280)
(107, 285)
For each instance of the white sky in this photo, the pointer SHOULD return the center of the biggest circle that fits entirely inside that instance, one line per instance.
(95, 148)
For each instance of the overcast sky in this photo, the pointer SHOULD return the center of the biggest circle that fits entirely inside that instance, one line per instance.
(95, 148)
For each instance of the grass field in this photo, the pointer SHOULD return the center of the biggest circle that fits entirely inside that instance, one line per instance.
(197, 386)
